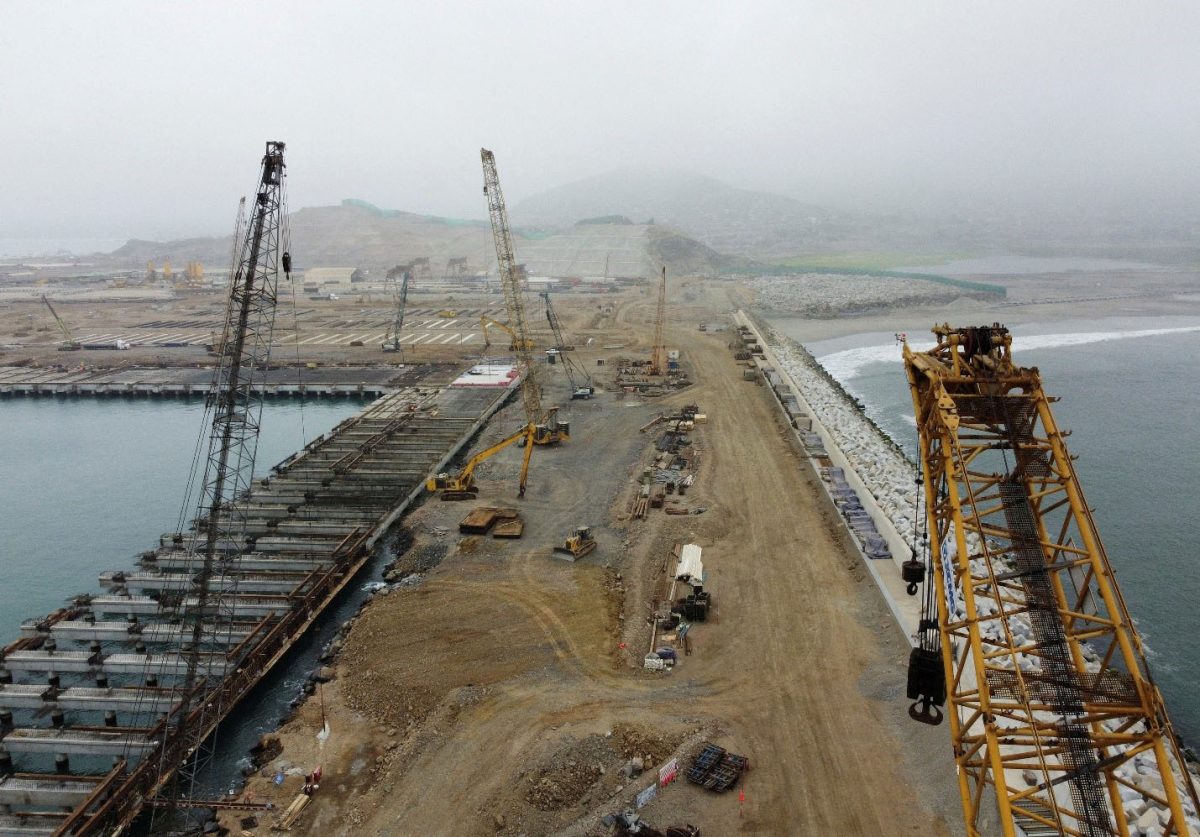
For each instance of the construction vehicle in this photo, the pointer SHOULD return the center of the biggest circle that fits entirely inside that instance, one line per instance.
(580, 380)
(69, 344)
(485, 321)
(1024, 636)
(461, 486)
(391, 342)
(542, 426)
(579, 544)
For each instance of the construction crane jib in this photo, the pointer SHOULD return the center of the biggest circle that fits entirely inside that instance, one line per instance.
(658, 355)
(513, 298)
(1056, 724)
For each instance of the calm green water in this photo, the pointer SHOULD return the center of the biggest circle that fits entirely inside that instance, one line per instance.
(1130, 391)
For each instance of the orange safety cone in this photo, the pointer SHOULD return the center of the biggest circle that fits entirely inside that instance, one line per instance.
(741, 801)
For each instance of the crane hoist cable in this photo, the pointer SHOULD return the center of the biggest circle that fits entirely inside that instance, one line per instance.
(1049, 694)
(542, 424)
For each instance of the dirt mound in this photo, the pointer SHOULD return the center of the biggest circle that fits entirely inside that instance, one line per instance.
(567, 776)
(643, 741)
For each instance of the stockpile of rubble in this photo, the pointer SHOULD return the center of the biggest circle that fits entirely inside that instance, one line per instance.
(829, 295)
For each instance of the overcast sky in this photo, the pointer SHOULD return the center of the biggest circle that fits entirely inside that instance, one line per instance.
(148, 119)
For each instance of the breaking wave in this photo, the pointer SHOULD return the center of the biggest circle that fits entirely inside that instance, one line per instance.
(849, 363)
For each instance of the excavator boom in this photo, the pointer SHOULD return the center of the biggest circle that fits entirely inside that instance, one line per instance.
(462, 485)
(485, 321)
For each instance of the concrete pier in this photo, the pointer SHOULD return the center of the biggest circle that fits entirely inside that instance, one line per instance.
(119, 657)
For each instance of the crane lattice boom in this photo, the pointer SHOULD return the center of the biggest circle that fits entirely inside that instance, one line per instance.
(514, 299)
(235, 401)
(398, 277)
(658, 355)
(1050, 695)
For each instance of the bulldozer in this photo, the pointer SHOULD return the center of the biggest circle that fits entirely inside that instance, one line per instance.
(579, 544)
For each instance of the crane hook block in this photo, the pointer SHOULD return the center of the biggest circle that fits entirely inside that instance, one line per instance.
(287, 262)
(926, 685)
(912, 572)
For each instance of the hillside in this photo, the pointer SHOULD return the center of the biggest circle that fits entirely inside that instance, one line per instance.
(356, 234)
(724, 217)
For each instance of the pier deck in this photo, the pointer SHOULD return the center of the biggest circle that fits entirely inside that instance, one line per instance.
(90, 694)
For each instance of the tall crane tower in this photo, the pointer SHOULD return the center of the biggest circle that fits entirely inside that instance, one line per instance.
(1024, 630)
(398, 277)
(542, 426)
(658, 354)
(234, 404)
(580, 380)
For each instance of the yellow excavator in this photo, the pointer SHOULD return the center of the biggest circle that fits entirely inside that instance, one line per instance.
(513, 345)
(461, 486)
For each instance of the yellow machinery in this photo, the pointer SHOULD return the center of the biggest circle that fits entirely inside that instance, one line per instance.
(579, 544)
(447, 313)
(1023, 628)
(462, 485)
(485, 321)
(69, 344)
(542, 426)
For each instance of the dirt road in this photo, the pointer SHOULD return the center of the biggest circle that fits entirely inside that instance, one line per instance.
(494, 696)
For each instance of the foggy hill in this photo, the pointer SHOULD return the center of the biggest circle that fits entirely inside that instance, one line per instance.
(357, 234)
(726, 218)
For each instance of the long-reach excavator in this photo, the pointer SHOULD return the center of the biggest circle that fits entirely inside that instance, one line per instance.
(461, 486)
(485, 321)
(1056, 724)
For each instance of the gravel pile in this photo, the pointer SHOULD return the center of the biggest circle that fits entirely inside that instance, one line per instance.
(831, 295)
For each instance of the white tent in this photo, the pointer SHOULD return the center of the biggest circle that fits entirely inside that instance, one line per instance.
(690, 568)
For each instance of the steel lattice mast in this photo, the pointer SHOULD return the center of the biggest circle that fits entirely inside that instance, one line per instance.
(398, 277)
(235, 401)
(510, 281)
(658, 354)
(1050, 693)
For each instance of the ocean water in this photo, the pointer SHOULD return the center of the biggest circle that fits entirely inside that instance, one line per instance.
(1130, 390)
(89, 483)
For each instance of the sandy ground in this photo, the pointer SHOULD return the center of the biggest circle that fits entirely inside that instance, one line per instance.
(495, 696)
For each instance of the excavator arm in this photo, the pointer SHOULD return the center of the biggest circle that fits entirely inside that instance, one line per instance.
(462, 485)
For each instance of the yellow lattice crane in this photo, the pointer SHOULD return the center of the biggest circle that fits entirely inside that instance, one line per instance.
(542, 425)
(1051, 706)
